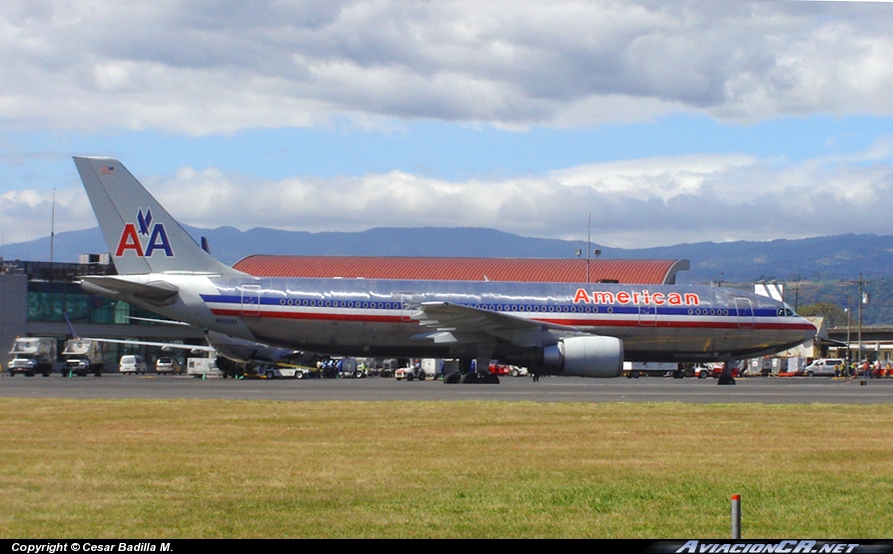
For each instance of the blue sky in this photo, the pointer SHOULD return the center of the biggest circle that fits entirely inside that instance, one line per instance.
(670, 122)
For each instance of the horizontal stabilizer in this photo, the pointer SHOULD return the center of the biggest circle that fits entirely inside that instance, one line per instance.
(158, 293)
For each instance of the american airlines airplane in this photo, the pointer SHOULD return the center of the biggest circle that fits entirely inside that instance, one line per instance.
(583, 329)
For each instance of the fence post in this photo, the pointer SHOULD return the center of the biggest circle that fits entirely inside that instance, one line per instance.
(736, 516)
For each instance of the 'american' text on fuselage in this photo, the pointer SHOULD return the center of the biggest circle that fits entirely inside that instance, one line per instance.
(638, 298)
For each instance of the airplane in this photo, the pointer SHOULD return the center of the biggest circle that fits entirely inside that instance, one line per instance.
(575, 329)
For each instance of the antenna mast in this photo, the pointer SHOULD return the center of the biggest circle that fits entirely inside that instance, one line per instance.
(588, 245)
(53, 226)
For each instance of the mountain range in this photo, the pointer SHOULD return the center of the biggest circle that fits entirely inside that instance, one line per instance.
(832, 257)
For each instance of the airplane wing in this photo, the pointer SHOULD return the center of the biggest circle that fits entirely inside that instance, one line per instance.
(165, 346)
(455, 323)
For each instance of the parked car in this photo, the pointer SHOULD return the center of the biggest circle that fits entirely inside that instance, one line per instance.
(168, 365)
(132, 364)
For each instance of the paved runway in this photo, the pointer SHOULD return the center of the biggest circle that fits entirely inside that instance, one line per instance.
(548, 389)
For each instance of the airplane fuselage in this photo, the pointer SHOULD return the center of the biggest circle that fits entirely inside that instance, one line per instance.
(365, 317)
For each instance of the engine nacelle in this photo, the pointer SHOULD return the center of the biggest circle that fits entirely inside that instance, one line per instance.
(594, 356)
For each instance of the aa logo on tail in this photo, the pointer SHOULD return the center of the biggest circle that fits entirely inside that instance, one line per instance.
(132, 238)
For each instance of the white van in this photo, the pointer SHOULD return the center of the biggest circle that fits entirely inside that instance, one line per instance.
(823, 366)
(132, 364)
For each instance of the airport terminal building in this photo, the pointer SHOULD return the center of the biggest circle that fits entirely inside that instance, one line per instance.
(36, 297)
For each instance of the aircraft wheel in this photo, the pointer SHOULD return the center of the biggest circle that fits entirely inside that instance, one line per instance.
(453, 378)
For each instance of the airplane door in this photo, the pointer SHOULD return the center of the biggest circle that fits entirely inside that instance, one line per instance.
(744, 307)
(251, 300)
(647, 314)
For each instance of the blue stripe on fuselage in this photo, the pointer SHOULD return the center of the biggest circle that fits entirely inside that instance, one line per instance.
(348, 302)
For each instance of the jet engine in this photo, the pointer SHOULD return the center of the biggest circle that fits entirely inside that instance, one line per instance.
(594, 356)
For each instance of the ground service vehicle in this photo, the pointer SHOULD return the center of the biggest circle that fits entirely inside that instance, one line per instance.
(347, 368)
(702, 371)
(285, 372)
(421, 369)
(633, 370)
(83, 356)
(711, 370)
(518, 371)
(132, 363)
(203, 367)
(33, 355)
(408, 373)
(823, 366)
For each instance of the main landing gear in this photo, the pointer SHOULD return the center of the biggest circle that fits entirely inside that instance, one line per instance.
(469, 374)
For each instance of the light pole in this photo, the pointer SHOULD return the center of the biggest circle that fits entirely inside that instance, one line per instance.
(588, 244)
(848, 311)
(861, 302)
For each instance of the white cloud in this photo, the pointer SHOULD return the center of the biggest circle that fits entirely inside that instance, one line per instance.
(211, 67)
(220, 67)
(634, 203)
(28, 214)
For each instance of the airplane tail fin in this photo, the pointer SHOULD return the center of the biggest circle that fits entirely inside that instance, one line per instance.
(141, 235)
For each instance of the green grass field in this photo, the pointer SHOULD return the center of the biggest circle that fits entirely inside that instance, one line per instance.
(189, 468)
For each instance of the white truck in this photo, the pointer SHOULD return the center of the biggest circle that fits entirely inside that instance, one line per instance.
(33, 355)
(633, 370)
(83, 356)
(203, 367)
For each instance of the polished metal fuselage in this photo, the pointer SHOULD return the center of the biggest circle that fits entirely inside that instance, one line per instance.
(368, 317)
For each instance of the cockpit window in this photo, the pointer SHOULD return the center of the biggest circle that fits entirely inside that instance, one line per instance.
(784, 311)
